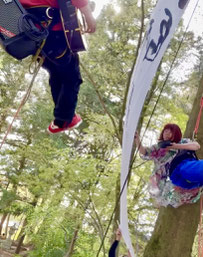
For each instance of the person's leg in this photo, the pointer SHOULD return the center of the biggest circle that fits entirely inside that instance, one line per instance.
(69, 74)
(54, 79)
(55, 46)
(65, 78)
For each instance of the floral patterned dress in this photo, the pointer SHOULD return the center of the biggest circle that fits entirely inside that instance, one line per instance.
(160, 186)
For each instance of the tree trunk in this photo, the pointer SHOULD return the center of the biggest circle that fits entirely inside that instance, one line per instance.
(175, 229)
(20, 244)
(193, 117)
(174, 232)
(117, 210)
(72, 244)
(21, 237)
(3, 218)
(116, 219)
(7, 222)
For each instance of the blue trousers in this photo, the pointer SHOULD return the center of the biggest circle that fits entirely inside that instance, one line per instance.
(65, 77)
(188, 174)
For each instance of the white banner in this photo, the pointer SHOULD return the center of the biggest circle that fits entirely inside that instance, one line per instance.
(162, 25)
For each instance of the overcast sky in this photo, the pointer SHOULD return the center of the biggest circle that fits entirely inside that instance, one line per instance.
(197, 20)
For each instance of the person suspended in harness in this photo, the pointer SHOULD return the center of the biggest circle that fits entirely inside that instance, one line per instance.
(177, 169)
(61, 63)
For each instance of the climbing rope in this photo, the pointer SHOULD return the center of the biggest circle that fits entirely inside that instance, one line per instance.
(25, 98)
(94, 84)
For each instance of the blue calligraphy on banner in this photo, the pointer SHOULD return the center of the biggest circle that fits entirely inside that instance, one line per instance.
(153, 48)
(182, 3)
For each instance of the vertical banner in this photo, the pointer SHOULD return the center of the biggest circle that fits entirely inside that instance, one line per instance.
(162, 24)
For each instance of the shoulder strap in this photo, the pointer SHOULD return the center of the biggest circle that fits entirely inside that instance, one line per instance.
(67, 14)
(66, 8)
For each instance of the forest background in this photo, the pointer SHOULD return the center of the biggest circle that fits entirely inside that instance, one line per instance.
(62, 190)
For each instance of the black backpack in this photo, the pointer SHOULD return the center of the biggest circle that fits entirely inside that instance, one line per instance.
(18, 34)
(180, 156)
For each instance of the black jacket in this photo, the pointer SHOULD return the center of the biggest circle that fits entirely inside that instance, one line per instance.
(112, 251)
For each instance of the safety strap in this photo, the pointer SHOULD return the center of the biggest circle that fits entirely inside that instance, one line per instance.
(36, 58)
(48, 15)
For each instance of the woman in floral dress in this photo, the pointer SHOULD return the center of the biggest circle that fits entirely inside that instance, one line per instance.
(177, 176)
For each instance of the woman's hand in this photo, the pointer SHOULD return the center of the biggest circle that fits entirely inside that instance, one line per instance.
(193, 146)
(118, 234)
(137, 139)
(138, 143)
(172, 146)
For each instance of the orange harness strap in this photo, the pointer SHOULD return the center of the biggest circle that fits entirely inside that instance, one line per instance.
(198, 117)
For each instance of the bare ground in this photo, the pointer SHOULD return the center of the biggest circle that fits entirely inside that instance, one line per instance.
(5, 254)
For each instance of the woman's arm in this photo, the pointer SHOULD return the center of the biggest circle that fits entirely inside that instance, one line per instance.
(139, 145)
(112, 251)
(193, 146)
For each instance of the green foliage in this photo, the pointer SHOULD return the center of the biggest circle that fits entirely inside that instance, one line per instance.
(7, 198)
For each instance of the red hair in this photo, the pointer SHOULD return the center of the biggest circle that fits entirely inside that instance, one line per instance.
(175, 130)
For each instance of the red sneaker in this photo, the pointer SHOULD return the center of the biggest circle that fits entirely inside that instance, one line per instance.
(76, 121)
